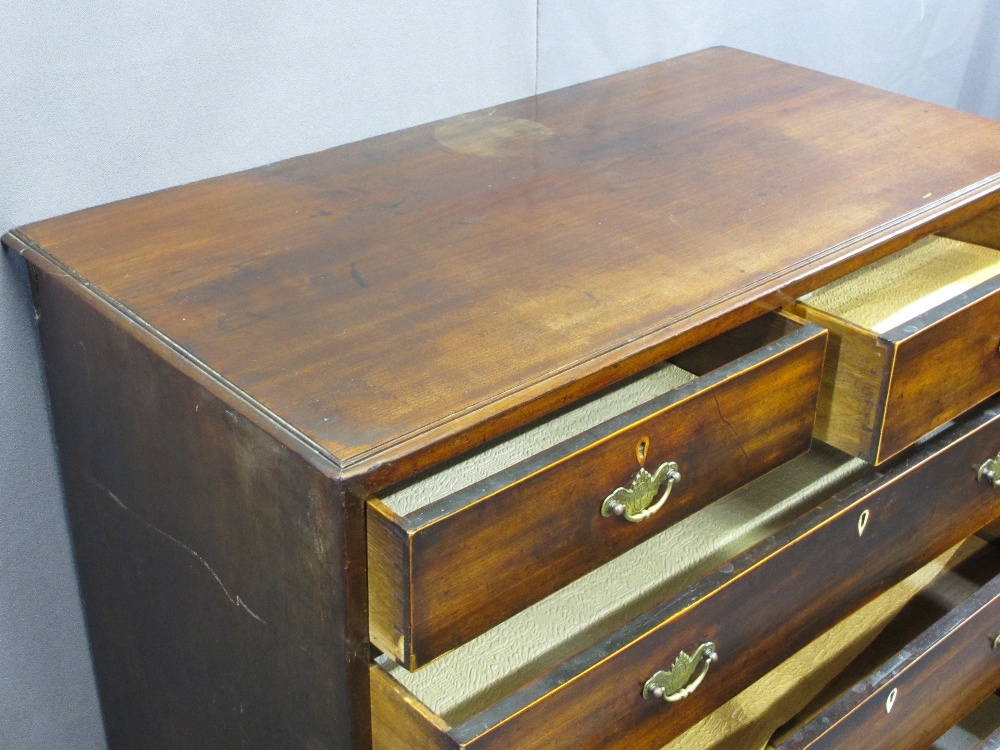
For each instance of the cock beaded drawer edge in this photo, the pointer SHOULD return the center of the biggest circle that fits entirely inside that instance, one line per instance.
(591, 292)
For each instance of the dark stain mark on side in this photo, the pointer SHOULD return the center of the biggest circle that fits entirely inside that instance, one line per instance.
(586, 293)
(236, 321)
(358, 278)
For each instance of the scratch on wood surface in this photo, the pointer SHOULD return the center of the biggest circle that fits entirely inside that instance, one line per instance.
(236, 601)
(739, 440)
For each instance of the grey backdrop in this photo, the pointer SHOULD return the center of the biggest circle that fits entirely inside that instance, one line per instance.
(108, 99)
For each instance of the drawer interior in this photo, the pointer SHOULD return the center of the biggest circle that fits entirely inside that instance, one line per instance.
(974, 564)
(902, 286)
(504, 453)
(478, 674)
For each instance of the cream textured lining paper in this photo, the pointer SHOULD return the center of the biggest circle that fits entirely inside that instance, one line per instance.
(748, 721)
(900, 287)
(476, 675)
(541, 435)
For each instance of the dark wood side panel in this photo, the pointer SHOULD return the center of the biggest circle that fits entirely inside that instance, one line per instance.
(218, 567)
(759, 609)
(947, 361)
(938, 678)
(475, 563)
(851, 400)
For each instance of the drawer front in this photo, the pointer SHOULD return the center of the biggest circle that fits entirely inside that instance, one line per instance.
(945, 362)
(447, 573)
(756, 610)
(914, 698)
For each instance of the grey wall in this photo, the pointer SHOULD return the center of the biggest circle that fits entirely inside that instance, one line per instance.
(108, 99)
(940, 50)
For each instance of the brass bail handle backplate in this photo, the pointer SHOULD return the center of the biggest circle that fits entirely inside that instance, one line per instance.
(636, 503)
(676, 683)
(989, 472)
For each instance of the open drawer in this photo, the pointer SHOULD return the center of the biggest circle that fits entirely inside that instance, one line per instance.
(933, 680)
(580, 670)
(466, 547)
(913, 343)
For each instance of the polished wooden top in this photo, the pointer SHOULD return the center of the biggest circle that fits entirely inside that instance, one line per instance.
(398, 299)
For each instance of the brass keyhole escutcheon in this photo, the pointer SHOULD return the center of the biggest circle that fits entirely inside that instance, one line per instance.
(863, 521)
(642, 450)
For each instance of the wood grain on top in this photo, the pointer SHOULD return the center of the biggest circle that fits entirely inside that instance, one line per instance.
(404, 297)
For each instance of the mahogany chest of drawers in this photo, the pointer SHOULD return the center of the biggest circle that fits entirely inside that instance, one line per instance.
(510, 430)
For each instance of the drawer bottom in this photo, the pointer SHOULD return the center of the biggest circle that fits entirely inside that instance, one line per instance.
(929, 667)
(753, 718)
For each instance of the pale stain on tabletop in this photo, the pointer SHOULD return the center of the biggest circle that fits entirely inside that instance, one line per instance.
(488, 135)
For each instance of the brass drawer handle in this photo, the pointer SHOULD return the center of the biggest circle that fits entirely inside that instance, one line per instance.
(989, 472)
(676, 683)
(634, 503)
